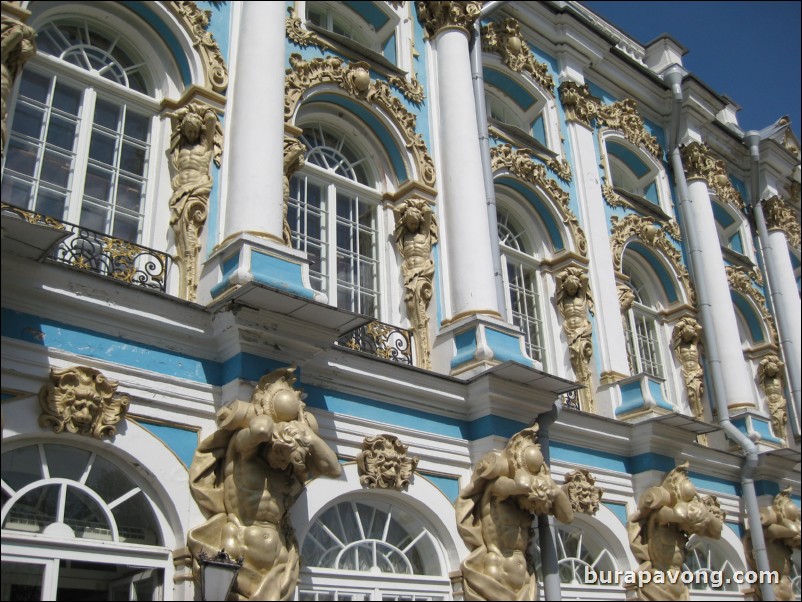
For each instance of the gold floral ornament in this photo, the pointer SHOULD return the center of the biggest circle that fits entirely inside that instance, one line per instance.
(743, 281)
(780, 216)
(436, 16)
(771, 378)
(384, 464)
(581, 106)
(196, 22)
(506, 40)
(580, 487)
(81, 400)
(196, 141)
(495, 513)
(699, 163)
(294, 152)
(520, 164)
(781, 530)
(667, 515)
(354, 78)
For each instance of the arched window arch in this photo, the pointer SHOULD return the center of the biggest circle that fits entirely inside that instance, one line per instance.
(635, 176)
(333, 214)
(84, 136)
(730, 226)
(372, 547)
(95, 526)
(520, 269)
(706, 557)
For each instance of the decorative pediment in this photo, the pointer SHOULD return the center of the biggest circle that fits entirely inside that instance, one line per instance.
(196, 22)
(581, 106)
(520, 164)
(354, 78)
(506, 40)
(645, 230)
(700, 163)
(83, 401)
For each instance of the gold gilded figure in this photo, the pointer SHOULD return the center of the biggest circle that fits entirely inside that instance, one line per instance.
(659, 529)
(245, 478)
(16, 47)
(494, 515)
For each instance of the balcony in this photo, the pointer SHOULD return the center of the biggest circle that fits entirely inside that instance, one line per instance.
(380, 340)
(47, 239)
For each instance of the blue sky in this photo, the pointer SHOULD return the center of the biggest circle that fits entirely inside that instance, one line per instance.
(748, 51)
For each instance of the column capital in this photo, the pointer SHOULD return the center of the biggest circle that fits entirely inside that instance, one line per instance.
(779, 216)
(700, 163)
(579, 104)
(438, 16)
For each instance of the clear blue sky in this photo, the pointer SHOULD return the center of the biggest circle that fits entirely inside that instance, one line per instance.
(749, 51)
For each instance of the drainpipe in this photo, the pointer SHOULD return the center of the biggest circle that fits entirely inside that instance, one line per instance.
(545, 523)
(752, 141)
(673, 76)
(484, 144)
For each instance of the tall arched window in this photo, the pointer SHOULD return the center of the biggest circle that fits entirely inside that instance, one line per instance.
(80, 146)
(371, 550)
(521, 279)
(332, 214)
(77, 525)
(714, 572)
(644, 348)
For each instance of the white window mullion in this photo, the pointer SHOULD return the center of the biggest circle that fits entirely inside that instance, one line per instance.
(87, 118)
(331, 242)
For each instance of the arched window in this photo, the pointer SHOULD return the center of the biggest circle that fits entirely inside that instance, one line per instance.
(730, 228)
(644, 348)
(524, 304)
(333, 217)
(80, 141)
(367, 549)
(631, 174)
(57, 496)
(714, 572)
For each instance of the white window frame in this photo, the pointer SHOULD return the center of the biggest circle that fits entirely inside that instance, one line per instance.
(95, 87)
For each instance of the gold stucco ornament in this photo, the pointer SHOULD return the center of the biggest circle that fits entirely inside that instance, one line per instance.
(245, 478)
(384, 464)
(574, 302)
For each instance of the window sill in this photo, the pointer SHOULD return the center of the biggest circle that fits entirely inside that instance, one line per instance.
(354, 49)
(518, 137)
(643, 205)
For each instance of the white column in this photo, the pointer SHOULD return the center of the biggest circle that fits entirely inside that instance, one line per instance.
(255, 128)
(724, 328)
(787, 307)
(611, 349)
(470, 257)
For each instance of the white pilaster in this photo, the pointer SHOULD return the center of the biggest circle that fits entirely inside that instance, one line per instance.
(254, 200)
(724, 328)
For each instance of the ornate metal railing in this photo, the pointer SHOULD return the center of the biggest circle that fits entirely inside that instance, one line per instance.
(96, 252)
(382, 340)
(570, 400)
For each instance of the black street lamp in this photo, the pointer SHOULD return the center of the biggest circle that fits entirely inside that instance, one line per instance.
(217, 575)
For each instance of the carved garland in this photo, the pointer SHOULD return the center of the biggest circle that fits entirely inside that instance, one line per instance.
(521, 165)
(354, 78)
(621, 115)
(644, 229)
(741, 280)
(299, 35)
(196, 22)
(506, 40)
(699, 163)
(780, 216)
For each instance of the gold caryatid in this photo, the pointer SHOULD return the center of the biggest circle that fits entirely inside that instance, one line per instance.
(770, 376)
(667, 515)
(574, 302)
(415, 234)
(16, 47)
(495, 513)
(245, 478)
(781, 531)
(196, 140)
(686, 341)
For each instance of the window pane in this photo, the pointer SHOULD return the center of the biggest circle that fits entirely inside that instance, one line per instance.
(61, 132)
(107, 114)
(65, 462)
(136, 521)
(34, 86)
(137, 126)
(28, 121)
(102, 148)
(22, 467)
(21, 157)
(50, 202)
(129, 194)
(108, 480)
(56, 169)
(34, 511)
(98, 183)
(93, 217)
(85, 517)
(125, 227)
(22, 581)
(133, 159)
(67, 99)
(16, 192)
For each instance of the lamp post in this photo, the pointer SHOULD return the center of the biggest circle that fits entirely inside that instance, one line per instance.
(217, 575)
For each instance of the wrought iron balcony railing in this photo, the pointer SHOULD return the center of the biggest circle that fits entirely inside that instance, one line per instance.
(96, 252)
(382, 340)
